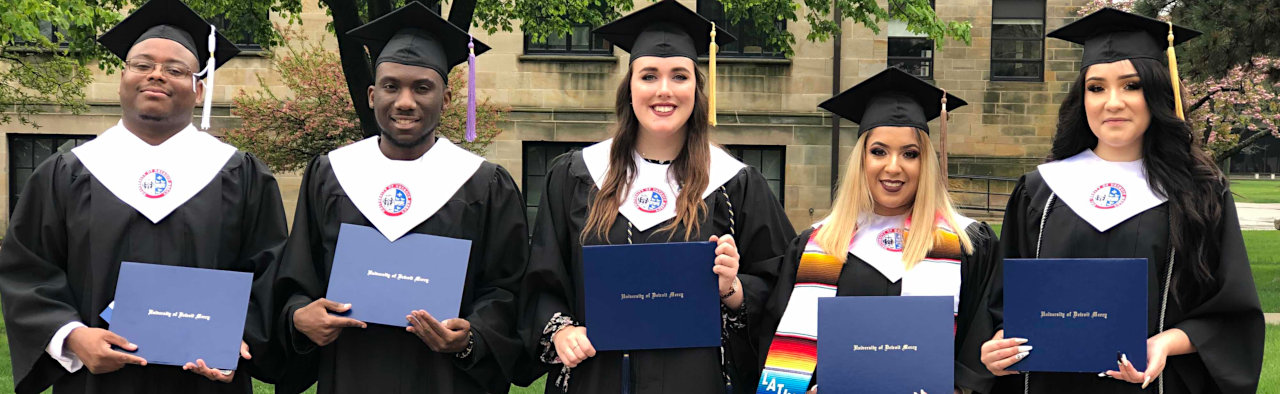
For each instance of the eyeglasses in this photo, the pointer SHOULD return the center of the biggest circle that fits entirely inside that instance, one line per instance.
(143, 66)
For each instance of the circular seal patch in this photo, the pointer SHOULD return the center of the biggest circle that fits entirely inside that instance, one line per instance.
(155, 184)
(650, 200)
(1108, 196)
(890, 240)
(395, 200)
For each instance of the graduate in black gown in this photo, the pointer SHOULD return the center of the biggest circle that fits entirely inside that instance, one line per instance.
(658, 180)
(151, 189)
(868, 246)
(406, 180)
(1127, 178)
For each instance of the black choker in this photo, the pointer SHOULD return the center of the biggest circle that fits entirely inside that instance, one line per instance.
(662, 162)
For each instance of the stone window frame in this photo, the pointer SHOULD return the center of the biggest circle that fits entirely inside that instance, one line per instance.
(754, 155)
(21, 166)
(736, 49)
(1024, 10)
(596, 46)
(900, 61)
(534, 163)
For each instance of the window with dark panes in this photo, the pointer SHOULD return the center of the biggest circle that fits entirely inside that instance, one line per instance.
(751, 40)
(911, 52)
(48, 30)
(1017, 40)
(240, 33)
(538, 156)
(770, 160)
(27, 151)
(579, 41)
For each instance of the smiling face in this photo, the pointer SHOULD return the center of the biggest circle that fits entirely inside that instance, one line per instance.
(1116, 109)
(408, 102)
(157, 95)
(892, 168)
(662, 93)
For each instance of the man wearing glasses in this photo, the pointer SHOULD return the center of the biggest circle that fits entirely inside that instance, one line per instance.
(151, 189)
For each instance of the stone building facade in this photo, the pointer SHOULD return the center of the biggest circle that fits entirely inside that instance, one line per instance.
(561, 97)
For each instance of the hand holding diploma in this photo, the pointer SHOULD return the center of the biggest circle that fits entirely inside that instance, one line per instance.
(1159, 347)
(999, 353)
(214, 374)
(316, 323)
(449, 336)
(572, 345)
(726, 269)
(93, 347)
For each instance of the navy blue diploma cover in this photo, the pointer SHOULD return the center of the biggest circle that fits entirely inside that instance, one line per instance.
(651, 296)
(384, 281)
(886, 344)
(1077, 313)
(179, 314)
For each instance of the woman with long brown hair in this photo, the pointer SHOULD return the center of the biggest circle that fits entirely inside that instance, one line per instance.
(659, 179)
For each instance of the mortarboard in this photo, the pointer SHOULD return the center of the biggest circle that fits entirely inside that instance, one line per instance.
(173, 20)
(891, 98)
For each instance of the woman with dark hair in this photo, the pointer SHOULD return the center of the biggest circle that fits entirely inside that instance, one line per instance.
(659, 179)
(1127, 178)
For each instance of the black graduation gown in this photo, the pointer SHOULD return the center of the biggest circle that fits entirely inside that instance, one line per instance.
(553, 282)
(487, 210)
(1226, 329)
(857, 278)
(68, 235)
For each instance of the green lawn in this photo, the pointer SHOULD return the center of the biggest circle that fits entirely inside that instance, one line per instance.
(1259, 191)
(1270, 380)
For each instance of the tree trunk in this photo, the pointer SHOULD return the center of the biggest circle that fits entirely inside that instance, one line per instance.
(1245, 143)
(355, 63)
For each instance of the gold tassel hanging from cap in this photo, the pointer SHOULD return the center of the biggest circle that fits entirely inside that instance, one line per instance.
(1173, 76)
(942, 137)
(711, 77)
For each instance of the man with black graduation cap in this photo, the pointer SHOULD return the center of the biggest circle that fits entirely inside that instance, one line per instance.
(445, 191)
(150, 189)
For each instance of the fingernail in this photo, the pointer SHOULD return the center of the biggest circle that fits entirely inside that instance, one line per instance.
(1146, 381)
(1020, 340)
(1125, 357)
(347, 305)
(1021, 355)
(1102, 374)
(1024, 349)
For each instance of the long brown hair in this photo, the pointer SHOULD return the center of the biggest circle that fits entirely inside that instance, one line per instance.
(691, 167)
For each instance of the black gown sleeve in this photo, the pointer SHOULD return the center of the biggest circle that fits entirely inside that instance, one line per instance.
(548, 287)
(974, 324)
(1228, 329)
(36, 296)
(505, 241)
(262, 239)
(788, 264)
(1017, 222)
(763, 233)
(298, 282)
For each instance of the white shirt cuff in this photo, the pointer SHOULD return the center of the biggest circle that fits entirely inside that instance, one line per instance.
(58, 350)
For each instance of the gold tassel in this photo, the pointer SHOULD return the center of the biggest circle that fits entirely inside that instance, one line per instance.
(711, 77)
(1173, 76)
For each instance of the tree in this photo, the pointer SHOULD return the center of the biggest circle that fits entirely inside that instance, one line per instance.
(1223, 106)
(285, 132)
(543, 18)
(47, 46)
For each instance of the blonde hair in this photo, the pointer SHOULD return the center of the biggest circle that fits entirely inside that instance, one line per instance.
(853, 198)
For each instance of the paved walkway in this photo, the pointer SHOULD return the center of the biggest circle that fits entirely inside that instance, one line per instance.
(1272, 318)
(1257, 216)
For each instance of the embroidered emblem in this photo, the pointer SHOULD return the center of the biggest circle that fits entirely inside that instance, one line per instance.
(1108, 196)
(395, 200)
(890, 240)
(650, 200)
(155, 184)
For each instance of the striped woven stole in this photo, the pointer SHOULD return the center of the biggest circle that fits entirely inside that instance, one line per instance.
(793, 354)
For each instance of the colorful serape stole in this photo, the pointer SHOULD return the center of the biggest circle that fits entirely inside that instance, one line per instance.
(793, 355)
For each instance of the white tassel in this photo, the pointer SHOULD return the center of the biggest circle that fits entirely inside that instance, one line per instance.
(208, 85)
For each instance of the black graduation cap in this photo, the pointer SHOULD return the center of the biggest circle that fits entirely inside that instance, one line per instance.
(1110, 35)
(891, 98)
(416, 36)
(665, 29)
(172, 20)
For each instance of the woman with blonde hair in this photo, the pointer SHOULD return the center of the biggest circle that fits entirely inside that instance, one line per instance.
(869, 245)
(659, 179)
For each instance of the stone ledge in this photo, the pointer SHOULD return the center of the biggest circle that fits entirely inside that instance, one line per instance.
(746, 60)
(568, 58)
